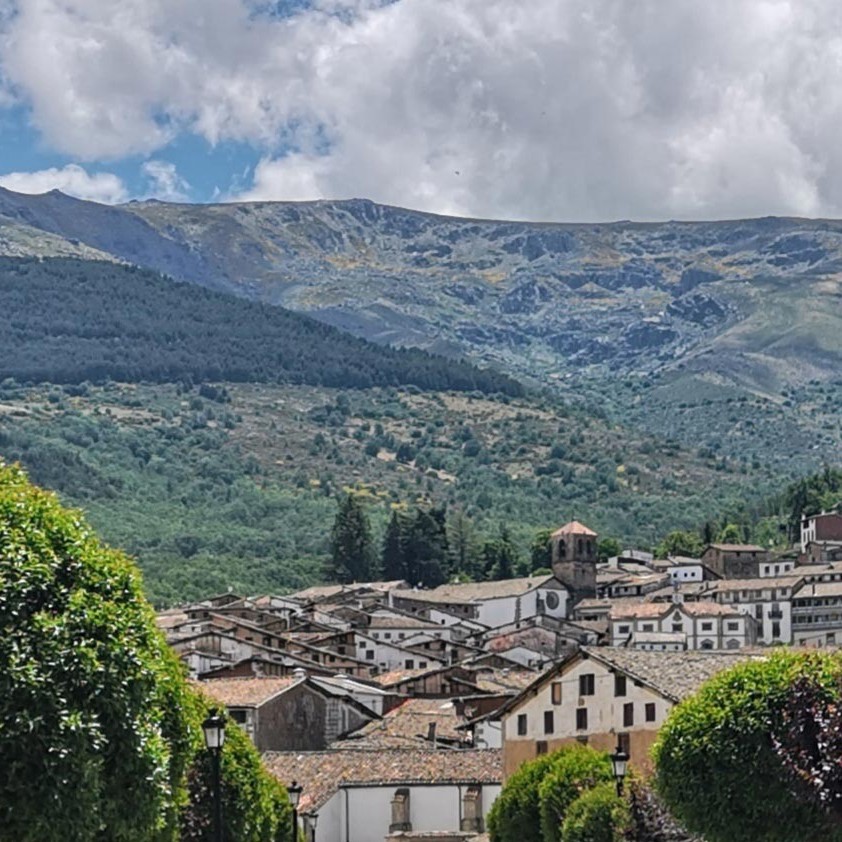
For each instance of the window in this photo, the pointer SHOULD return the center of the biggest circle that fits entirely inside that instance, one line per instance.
(581, 719)
(776, 629)
(555, 692)
(541, 747)
(387, 635)
(369, 656)
(238, 716)
(758, 612)
(628, 714)
(623, 629)
(422, 664)
(650, 711)
(677, 627)
(648, 627)
(624, 743)
(619, 685)
(733, 625)
(586, 684)
(521, 725)
(707, 626)
(549, 722)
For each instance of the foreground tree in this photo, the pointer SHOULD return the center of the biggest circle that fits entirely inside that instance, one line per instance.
(99, 732)
(717, 765)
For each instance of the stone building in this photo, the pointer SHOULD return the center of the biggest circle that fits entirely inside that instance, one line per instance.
(574, 559)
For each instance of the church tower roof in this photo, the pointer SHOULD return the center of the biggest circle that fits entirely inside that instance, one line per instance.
(574, 528)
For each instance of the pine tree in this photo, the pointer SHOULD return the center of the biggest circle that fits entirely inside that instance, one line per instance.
(393, 558)
(463, 549)
(426, 548)
(350, 543)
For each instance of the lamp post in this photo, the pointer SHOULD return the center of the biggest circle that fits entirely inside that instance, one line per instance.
(294, 790)
(312, 820)
(619, 760)
(214, 730)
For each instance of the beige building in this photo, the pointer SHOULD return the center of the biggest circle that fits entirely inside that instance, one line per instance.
(604, 696)
(689, 625)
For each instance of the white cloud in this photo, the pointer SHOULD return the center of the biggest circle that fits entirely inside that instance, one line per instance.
(71, 179)
(164, 182)
(552, 109)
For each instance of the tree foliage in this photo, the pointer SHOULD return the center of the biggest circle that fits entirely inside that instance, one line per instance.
(717, 768)
(351, 548)
(68, 321)
(99, 731)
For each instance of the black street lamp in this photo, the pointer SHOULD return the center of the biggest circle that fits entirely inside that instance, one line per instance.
(214, 729)
(619, 760)
(312, 819)
(294, 790)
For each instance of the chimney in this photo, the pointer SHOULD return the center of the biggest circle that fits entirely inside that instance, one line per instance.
(431, 734)
(299, 673)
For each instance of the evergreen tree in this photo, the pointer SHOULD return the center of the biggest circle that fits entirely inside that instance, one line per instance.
(463, 549)
(426, 548)
(350, 543)
(393, 558)
(500, 557)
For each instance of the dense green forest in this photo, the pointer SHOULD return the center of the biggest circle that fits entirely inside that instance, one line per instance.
(69, 321)
(214, 486)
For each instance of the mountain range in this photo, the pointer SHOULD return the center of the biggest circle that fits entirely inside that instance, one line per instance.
(675, 327)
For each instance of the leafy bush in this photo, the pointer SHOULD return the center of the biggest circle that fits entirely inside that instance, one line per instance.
(532, 804)
(716, 766)
(575, 769)
(515, 815)
(597, 815)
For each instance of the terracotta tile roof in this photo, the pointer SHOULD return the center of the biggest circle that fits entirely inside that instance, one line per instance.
(706, 608)
(474, 591)
(244, 692)
(502, 680)
(321, 773)
(737, 548)
(388, 622)
(639, 609)
(754, 584)
(574, 528)
(408, 724)
(330, 591)
(819, 589)
(709, 609)
(388, 679)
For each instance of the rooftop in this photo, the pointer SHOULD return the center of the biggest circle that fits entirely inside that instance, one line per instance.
(475, 591)
(737, 548)
(407, 725)
(244, 692)
(673, 674)
(321, 773)
(574, 528)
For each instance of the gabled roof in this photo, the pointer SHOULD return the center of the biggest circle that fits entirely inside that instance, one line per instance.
(736, 548)
(321, 773)
(407, 725)
(673, 675)
(245, 692)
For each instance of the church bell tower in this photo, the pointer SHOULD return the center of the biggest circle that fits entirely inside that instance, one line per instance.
(574, 559)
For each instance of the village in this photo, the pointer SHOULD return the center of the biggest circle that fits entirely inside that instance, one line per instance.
(391, 711)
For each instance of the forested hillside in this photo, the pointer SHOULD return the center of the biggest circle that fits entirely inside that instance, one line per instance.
(235, 485)
(68, 321)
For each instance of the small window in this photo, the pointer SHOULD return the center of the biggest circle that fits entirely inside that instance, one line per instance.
(733, 625)
(624, 743)
(369, 656)
(707, 627)
(625, 629)
(581, 719)
(677, 627)
(549, 722)
(650, 711)
(387, 635)
(648, 627)
(555, 692)
(521, 725)
(628, 715)
(619, 685)
(586, 684)
(541, 747)
(409, 664)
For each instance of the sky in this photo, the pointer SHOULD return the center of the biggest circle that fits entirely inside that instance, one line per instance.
(553, 110)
